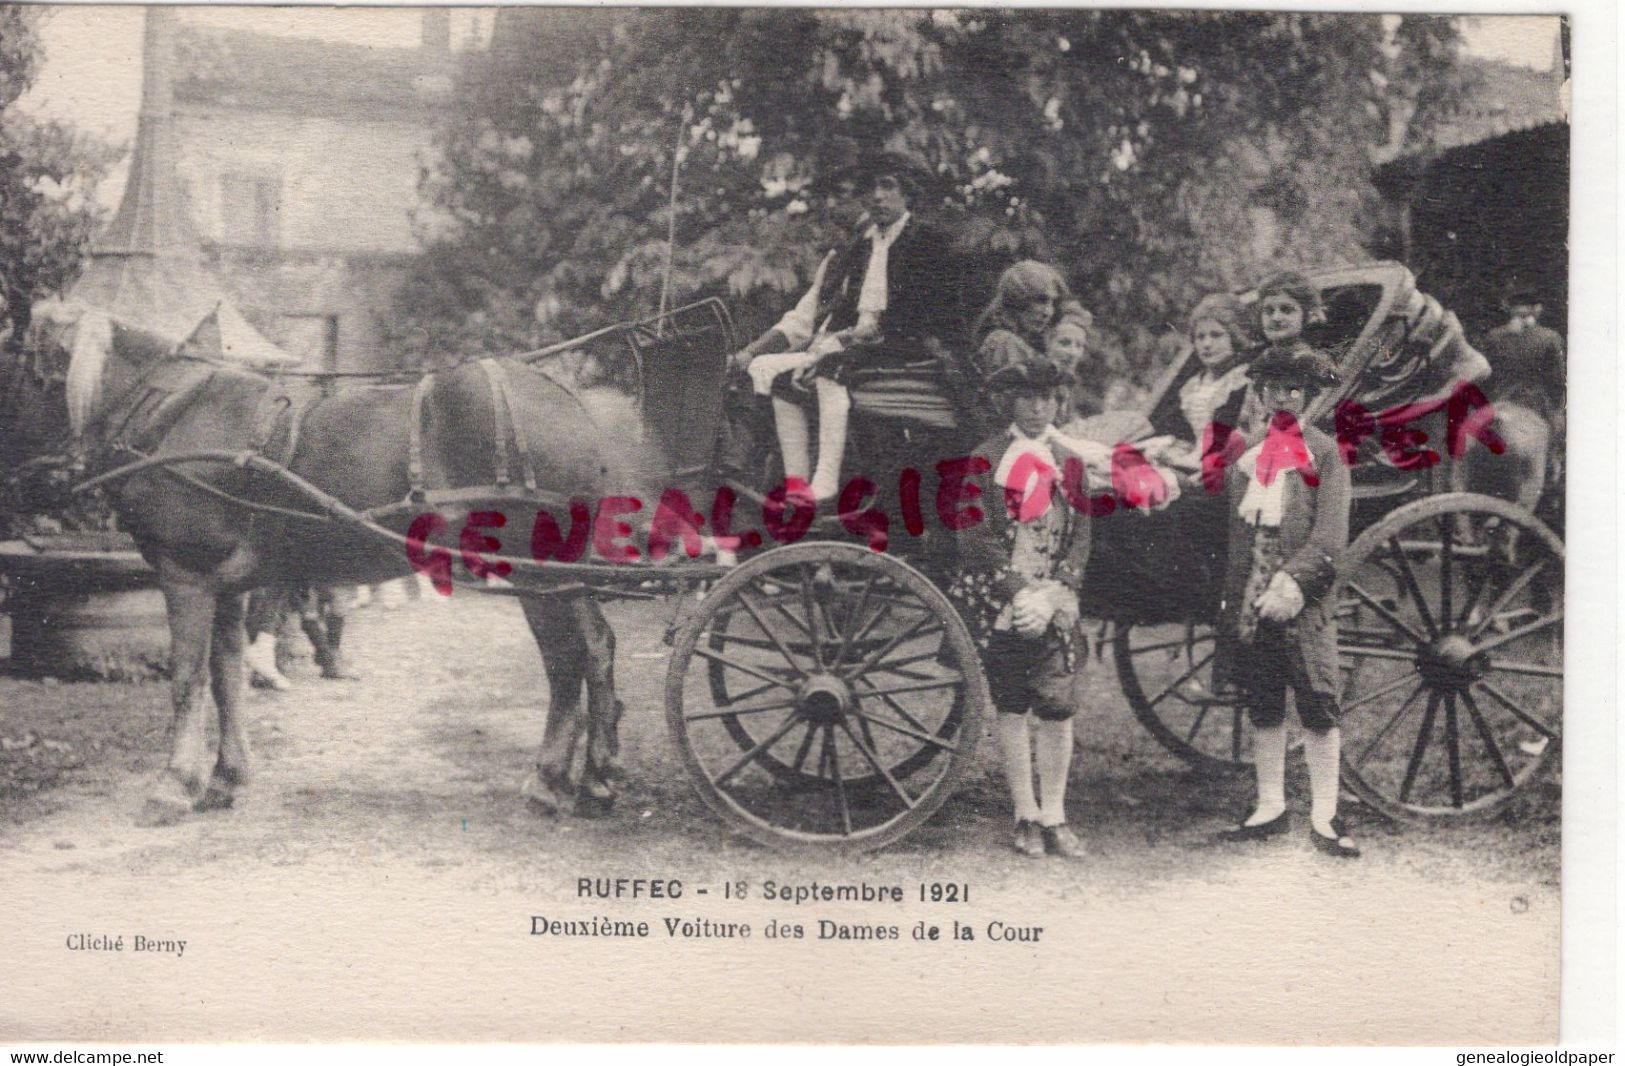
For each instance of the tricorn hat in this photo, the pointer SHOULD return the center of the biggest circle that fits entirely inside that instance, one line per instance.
(1028, 376)
(864, 168)
(1299, 364)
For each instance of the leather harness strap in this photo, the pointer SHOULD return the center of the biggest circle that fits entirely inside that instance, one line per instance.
(274, 404)
(499, 415)
(502, 409)
(280, 415)
(414, 458)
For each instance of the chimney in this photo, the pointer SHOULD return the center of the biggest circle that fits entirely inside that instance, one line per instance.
(437, 31)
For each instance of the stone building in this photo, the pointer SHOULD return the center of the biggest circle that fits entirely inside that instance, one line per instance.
(300, 158)
(1488, 204)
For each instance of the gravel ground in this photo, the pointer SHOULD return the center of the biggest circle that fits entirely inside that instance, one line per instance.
(378, 882)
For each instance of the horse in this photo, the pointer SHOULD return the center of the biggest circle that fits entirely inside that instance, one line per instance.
(1528, 472)
(1524, 471)
(357, 444)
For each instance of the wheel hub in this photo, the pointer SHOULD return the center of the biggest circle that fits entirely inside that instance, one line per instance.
(824, 698)
(1452, 662)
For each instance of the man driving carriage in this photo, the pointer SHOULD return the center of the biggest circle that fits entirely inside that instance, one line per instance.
(886, 301)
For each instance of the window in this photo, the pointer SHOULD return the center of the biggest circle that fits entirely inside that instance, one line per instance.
(250, 207)
(312, 337)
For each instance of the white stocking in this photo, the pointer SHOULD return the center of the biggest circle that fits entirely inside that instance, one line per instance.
(1269, 767)
(791, 422)
(1018, 764)
(1054, 758)
(833, 404)
(1322, 752)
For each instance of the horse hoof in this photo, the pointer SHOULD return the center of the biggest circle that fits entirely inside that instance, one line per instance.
(217, 799)
(157, 813)
(589, 805)
(541, 797)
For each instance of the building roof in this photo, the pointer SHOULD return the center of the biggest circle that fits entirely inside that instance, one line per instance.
(219, 68)
(1504, 98)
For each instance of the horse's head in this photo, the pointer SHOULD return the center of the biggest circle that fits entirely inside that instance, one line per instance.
(63, 369)
(106, 357)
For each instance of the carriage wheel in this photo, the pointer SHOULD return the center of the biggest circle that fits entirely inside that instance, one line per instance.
(1451, 637)
(729, 686)
(1167, 675)
(858, 703)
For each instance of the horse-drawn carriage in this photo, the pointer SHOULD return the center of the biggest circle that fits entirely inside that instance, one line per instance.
(825, 692)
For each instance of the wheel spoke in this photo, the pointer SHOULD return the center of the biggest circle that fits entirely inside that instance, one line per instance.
(893, 704)
(1180, 680)
(778, 605)
(1447, 544)
(1196, 726)
(1487, 735)
(1517, 712)
(849, 631)
(1529, 669)
(1388, 726)
(840, 782)
(803, 748)
(760, 675)
(895, 666)
(906, 635)
(1359, 651)
(874, 620)
(1162, 645)
(815, 617)
(1509, 594)
(1235, 735)
(868, 734)
(902, 794)
(926, 686)
(1408, 577)
(1519, 633)
(762, 745)
(917, 735)
(757, 691)
(1379, 693)
(1452, 740)
(732, 711)
(1423, 736)
(772, 636)
(1388, 616)
(1481, 586)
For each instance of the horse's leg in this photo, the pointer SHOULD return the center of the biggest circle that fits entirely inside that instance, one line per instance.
(603, 710)
(564, 657)
(226, 682)
(191, 607)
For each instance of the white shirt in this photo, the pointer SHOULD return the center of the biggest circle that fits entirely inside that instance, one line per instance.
(801, 324)
(1201, 395)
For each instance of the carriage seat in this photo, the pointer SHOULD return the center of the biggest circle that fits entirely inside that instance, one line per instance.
(918, 393)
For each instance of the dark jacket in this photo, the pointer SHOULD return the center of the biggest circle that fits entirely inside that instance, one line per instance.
(985, 546)
(1527, 367)
(925, 286)
(1314, 531)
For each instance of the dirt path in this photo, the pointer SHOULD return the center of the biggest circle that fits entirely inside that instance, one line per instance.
(380, 879)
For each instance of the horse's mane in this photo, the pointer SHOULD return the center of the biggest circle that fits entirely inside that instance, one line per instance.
(92, 344)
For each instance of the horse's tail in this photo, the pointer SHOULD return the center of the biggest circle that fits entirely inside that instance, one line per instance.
(1517, 474)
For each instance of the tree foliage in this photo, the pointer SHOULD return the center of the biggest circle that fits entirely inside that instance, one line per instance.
(1153, 156)
(48, 174)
